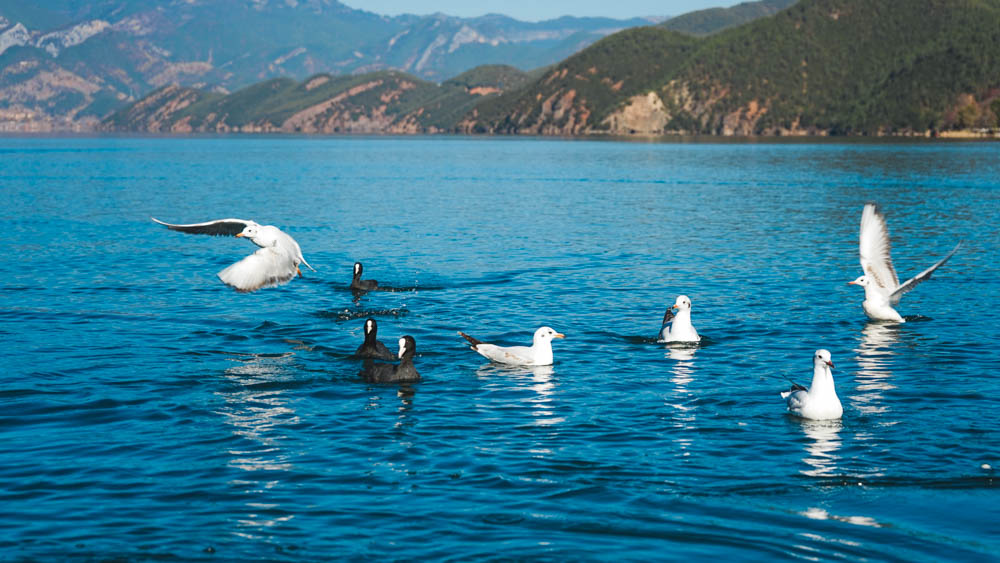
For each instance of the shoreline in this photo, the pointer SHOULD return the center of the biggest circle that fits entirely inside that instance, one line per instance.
(957, 135)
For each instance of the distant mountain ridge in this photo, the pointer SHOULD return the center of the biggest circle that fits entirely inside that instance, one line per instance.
(73, 61)
(713, 20)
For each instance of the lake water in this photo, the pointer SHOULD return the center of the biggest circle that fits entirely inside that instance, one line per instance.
(151, 413)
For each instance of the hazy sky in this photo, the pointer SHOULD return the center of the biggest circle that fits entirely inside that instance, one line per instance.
(534, 10)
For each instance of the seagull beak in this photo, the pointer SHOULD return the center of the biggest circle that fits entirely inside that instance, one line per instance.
(853, 283)
(672, 307)
(829, 364)
(558, 335)
(239, 235)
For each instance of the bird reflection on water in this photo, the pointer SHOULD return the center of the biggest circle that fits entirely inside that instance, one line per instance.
(257, 410)
(682, 373)
(821, 450)
(874, 355)
(683, 368)
(537, 379)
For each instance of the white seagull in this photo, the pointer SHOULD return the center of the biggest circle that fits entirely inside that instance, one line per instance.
(538, 354)
(678, 328)
(882, 287)
(276, 262)
(819, 401)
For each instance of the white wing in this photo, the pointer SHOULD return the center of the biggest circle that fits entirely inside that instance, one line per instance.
(876, 259)
(514, 355)
(925, 275)
(291, 246)
(267, 267)
(219, 227)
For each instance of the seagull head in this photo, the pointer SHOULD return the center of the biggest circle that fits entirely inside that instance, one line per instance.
(250, 231)
(823, 358)
(546, 334)
(261, 235)
(358, 268)
(862, 281)
(683, 303)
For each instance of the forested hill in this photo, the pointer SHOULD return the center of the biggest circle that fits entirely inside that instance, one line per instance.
(820, 66)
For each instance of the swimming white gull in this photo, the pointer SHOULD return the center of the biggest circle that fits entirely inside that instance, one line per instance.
(677, 327)
(538, 354)
(819, 401)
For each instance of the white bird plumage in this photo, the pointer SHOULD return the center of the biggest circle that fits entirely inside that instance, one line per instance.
(819, 401)
(276, 262)
(882, 287)
(538, 354)
(678, 327)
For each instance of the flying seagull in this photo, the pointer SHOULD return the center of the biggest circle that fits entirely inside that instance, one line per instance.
(276, 262)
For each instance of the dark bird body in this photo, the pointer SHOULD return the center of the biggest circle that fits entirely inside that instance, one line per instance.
(404, 372)
(359, 284)
(372, 348)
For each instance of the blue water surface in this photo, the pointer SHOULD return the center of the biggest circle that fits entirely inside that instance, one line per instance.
(151, 413)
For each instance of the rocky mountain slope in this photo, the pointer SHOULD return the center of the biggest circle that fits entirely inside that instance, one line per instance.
(65, 62)
(818, 67)
(378, 102)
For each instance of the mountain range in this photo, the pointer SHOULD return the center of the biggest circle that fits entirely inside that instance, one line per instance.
(773, 67)
(74, 61)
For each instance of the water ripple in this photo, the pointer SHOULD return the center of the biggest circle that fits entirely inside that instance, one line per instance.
(152, 413)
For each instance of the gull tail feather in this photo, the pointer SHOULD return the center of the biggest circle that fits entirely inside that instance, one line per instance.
(471, 340)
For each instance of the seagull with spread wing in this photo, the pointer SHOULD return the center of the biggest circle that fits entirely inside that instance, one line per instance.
(276, 262)
(882, 287)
